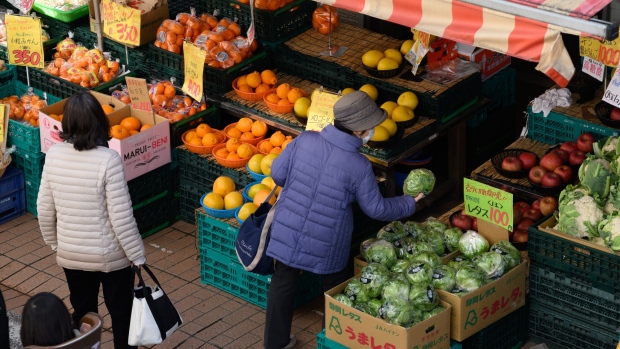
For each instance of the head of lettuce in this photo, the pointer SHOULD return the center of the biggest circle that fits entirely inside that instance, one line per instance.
(419, 181)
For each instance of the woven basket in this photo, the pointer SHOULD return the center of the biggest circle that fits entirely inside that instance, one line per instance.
(4, 165)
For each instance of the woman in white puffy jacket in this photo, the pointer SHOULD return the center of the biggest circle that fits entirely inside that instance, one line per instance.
(85, 215)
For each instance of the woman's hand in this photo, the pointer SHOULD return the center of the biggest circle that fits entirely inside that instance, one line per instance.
(419, 197)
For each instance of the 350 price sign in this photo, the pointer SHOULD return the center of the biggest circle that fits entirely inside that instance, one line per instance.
(121, 23)
(127, 32)
(194, 58)
(25, 45)
(488, 203)
(25, 57)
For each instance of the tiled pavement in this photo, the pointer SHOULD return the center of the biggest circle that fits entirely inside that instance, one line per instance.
(212, 318)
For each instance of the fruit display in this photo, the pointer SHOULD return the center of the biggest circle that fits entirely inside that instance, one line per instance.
(325, 19)
(254, 85)
(246, 131)
(128, 127)
(202, 139)
(269, 5)
(64, 5)
(282, 99)
(25, 108)
(257, 192)
(384, 64)
(223, 200)
(274, 144)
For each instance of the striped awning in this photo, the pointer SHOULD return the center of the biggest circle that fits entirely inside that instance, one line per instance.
(573, 8)
(475, 25)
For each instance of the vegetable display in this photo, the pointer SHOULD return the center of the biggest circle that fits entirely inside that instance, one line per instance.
(472, 244)
(419, 181)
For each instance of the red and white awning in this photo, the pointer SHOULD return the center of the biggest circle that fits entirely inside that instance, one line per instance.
(475, 25)
(573, 8)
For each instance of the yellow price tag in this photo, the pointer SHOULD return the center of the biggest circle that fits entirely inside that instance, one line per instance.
(2, 120)
(321, 111)
(488, 203)
(24, 45)
(121, 23)
(194, 66)
(606, 52)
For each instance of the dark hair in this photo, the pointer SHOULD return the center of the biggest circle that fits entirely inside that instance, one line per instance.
(339, 126)
(45, 321)
(84, 122)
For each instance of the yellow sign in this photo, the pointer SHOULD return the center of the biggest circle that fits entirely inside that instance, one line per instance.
(121, 23)
(194, 66)
(24, 45)
(606, 52)
(139, 94)
(488, 203)
(321, 111)
(2, 120)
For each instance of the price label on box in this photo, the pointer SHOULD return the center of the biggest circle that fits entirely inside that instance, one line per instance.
(24, 45)
(194, 66)
(488, 203)
(121, 23)
(139, 94)
(321, 111)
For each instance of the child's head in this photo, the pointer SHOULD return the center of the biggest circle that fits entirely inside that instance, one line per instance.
(84, 122)
(45, 321)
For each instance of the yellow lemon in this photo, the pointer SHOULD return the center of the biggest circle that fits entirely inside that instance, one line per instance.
(402, 113)
(393, 54)
(301, 107)
(254, 163)
(387, 64)
(223, 185)
(233, 200)
(381, 134)
(246, 210)
(256, 188)
(389, 125)
(370, 91)
(214, 201)
(406, 47)
(372, 58)
(389, 107)
(408, 99)
(265, 164)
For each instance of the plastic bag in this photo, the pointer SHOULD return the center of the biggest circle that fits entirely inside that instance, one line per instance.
(322, 21)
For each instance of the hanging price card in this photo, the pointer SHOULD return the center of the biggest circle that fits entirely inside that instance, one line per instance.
(612, 93)
(321, 111)
(139, 94)
(121, 23)
(24, 45)
(194, 66)
(606, 52)
(488, 203)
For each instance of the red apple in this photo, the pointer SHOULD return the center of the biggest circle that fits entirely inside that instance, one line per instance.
(552, 180)
(517, 216)
(584, 142)
(537, 173)
(525, 223)
(528, 160)
(532, 214)
(462, 221)
(536, 205)
(615, 114)
(521, 206)
(512, 163)
(520, 235)
(569, 147)
(551, 161)
(576, 158)
(566, 173)
(562, 153)
(548, 205)
(474, 225)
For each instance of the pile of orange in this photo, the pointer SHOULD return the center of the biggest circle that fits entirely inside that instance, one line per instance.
(246, 130)
(234, 150)
(269, 5)
(128, 127)
(256, 82)
(204, 135)
(88, 68)
(274, 144)
(283, 98)
(25, 108)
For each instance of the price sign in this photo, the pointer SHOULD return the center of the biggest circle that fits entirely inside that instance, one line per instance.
(612, 93)
(23, 5)
(139, 94)
(194, 66)
(593, 68)
(25, 46)
(488, 203)
(321, 111)
(3, 119)
(121, 23)
(606, 52)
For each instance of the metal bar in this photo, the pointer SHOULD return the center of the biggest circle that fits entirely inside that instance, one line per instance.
(98, 25)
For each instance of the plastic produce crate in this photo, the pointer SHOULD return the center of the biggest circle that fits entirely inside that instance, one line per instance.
(599, 269)
(216, 235)
(210, 116)
(29, 162)
(21, 88)
(11, 180)
(63, 16)
(32, 193)
(509, 332)
(189, 199)
(24, 136)
(12, 204)
(205, 169)
(563, 331)
(7, 78)
(558, 128)
(228, 275)
(57, 28)
(149, 184)
(153, 214)
(500, 89)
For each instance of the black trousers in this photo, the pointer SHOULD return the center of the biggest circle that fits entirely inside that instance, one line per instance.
(281, 301)
(117, 294)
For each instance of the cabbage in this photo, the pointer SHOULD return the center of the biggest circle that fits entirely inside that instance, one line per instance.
(419, 247)
(399, 312)
(596, 176)
(469, 279)
(392, 232)
(423, 297)
(374, 305)
(414, 228)
(373, 277)
(444, 278)
(400, 266)
(472, 244)
(343, 299)
(365, 245)
(451, 238)
(419, 273)
(436, 225)
(435, 239)
(395, 287)
(435, 311)
(610, 231)
(419, 181)
(430, 258)
(382, 252)
(458, 262)
(510, 255)
(491, 263)
(356, 291)
(366, 308)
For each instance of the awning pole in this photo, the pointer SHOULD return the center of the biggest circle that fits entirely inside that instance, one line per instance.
(98, 25)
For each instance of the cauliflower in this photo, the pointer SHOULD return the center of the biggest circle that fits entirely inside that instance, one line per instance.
(610, 231)
(606, 148)
(613, 200)
(611, 145)
(596, 176)
(580, 216)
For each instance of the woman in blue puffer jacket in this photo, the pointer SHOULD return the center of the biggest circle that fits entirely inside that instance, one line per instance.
(321, 175)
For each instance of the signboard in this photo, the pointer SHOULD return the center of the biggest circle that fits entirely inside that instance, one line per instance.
(139, 94)
(121, 23)
(612, 93)
(488, 203)
(593, 68)
(321, 111)
(606, 52)
(194, 66)
(24, 45)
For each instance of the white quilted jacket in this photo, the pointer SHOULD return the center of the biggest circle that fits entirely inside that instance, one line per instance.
(85, 212)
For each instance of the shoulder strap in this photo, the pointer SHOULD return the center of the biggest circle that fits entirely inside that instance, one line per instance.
(264, 232)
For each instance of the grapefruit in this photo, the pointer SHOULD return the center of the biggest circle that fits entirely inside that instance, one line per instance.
(233, 200)
(246, 210)
(256, 188)
(265, 164)
(261, 196)
(214, 201)
(223, 185)
(254, 163)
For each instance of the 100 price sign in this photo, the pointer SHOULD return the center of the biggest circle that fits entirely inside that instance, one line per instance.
(488, 203)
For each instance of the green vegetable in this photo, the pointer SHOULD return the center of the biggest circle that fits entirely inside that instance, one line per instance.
(366, 308)
(451, 238)
(459, 261)
(423, 297)
(435, 311)
(356, 291)
(491, 263)
(469, 279)
(414, 249)
(373, 277)
(419, 273)
(374, 304)
(509, 253)
(613, 200)
(444, 278)
(436, 225)
(392, 232)
(400, 266)
(399, 312)
(435, 239)
(382, 252)
(395, 287)
(414, 228)
(430, 258)
(596, 176)
(343, 299)
(472, 244)
(609, 229)
(606, 148)
(365, 245)
(419, 181)
(578, 214)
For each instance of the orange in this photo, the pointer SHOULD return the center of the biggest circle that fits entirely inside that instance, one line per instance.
(209, 139)
(244, 124)
(285, 143)
(265, 146)
(107, 109)
(268, 77)
(247, 136)
(277, 139)
(284, 102)
(195, 141)
(147, 126)
(233, 156)
(253, 79)
(133, 132)
(169, 92)
(272, 98)
(262, 88)
(202, 130)
(131, 123)
(232, 144)
(245, 151)
(245, 88)
(275, 150)
(259, 128)
(189, 135)
(221, 153)
(261, 196)
(294, 94)
(241, 81)
(233, 132)
(223, 185)
(283, 90)
(119, 132)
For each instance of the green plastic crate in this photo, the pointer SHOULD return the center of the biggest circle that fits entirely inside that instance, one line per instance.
(29, 162)
(153, 214)
(559, 128)
(24, 136)
(216, 235)
(63, 16)
(59, 29)
(32, 191)
(210, 116)
(509, 332)
(149, 184)
(598, 269)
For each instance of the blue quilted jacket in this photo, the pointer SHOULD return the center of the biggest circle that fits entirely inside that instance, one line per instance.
(321, 174)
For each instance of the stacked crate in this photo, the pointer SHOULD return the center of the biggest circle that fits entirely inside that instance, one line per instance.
(12, 194)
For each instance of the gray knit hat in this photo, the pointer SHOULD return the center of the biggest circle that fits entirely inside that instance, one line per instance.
(356, 111)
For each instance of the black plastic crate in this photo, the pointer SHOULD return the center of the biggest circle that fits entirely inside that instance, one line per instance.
(189, 199)
(153, 215)
(56, 28)
(509, 332)
(149, 184)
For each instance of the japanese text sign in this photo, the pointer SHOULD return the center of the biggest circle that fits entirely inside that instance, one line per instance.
(612, 93)
(24, 45)
(321, 110)
(121, 23)
(606, 52)
(194, 66)
(593, 68)
(139, 94)
(488, 203)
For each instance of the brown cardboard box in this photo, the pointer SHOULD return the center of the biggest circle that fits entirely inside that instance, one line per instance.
(357, 330)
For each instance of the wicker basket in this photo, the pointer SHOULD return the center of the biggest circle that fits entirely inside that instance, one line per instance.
(4, 164)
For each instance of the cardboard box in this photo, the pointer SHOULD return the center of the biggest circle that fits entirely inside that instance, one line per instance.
(490, 62)
(359, 262)
(150, 21)
(357, 330)
(140, 153)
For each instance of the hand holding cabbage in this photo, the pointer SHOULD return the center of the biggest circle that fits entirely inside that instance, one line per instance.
(419, 181)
